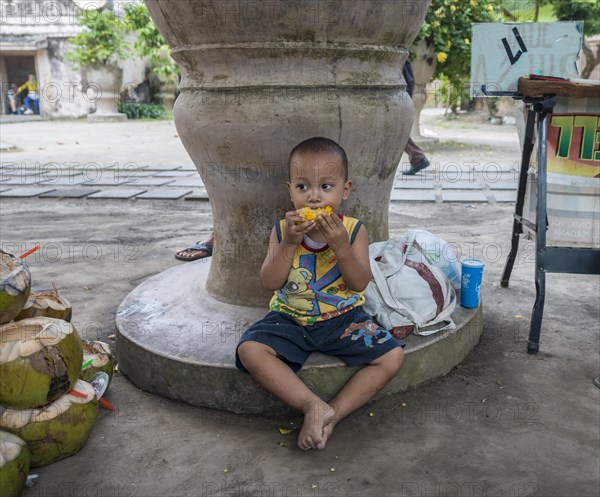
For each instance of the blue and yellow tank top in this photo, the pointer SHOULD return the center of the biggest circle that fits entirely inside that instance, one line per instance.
(315, 289)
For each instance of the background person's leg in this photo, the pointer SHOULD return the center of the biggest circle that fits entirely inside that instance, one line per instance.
(27, 102)
(416, 157)
(199, 250)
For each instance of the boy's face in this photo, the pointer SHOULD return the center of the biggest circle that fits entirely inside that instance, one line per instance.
(317, 179)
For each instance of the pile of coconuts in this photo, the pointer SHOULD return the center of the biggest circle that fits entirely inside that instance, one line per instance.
(47, 408)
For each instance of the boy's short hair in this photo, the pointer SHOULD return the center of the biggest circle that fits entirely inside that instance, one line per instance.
(321, 144)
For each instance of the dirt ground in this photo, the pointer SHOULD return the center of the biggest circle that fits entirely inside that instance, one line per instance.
(502, 423)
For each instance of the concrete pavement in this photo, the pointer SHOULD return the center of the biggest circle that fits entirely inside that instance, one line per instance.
(146, 160)
(502, 423)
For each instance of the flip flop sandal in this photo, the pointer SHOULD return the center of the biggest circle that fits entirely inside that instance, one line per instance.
(208, 250)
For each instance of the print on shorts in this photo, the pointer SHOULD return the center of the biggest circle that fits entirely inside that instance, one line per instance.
(368, 331)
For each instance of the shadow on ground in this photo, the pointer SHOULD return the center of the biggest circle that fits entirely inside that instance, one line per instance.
(502, 423)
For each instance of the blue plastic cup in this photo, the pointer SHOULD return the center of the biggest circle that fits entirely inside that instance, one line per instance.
(472, 273)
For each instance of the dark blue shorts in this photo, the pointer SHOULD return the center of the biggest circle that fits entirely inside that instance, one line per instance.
(354, 337)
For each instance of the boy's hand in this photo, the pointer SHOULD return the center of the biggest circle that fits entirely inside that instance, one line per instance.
(295, 228)
(334, 232)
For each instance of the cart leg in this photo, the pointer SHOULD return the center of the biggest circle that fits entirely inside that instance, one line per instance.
(517, 225)
(533, 345)
(514, 248)
(540, 233)
(510, 261)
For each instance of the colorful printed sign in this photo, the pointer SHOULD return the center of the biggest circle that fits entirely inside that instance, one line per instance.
(573, 175)
(573, 145)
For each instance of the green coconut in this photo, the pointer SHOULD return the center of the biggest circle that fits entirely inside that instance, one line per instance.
(46, 304)
(57, 430)
(14, 464)
(40, 360)
(101, 357)
(15, 285)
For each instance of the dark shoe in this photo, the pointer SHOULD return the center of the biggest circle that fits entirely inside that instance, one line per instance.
(597, 381)
(415, 168)
(195, 252)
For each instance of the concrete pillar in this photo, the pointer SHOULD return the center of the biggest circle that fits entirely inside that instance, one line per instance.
(258, 78)
(103, 83)
(423, 67)
(4, 87)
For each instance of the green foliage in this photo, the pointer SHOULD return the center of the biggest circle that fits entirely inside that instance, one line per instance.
(450, 95)
(589, 12)
(586, 11)
(101, 42)
(103, 39)
(447, 27)
(555, 10)
(150, 42)
(142, 111)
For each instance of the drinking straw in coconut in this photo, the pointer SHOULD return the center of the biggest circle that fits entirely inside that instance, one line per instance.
(87, 363)
(100, 399)
(105, 404)
(29, 252)
(78, 394)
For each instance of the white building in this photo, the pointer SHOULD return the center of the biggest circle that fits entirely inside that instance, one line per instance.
(33, 39)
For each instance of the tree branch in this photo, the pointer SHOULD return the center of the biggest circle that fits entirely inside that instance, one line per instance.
(508, 14)
(591, 59)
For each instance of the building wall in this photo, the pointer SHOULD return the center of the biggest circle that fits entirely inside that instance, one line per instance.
(62, 90)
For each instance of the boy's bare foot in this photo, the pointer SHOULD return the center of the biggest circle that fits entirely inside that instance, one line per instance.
(316, 418)
(328, 425)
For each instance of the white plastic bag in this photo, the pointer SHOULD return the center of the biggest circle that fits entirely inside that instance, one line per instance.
(407, 291)
(438, 253)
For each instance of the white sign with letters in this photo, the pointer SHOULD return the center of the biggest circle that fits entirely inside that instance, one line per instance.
(504, 52)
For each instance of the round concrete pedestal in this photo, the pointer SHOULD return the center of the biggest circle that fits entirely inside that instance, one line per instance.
(176, 340)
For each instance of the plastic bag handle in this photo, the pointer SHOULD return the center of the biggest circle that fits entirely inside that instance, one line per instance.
(384, 291)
